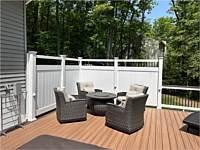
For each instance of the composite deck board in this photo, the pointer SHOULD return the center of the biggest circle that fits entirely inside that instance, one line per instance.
(88, 132)
(179, 141)
(192, 139)
(158, 135)
(98, 130)
(152, 132)
(33, 128)
(165, 135)
(163, 129)
(172, 137)
(138, 135)
(143, 138)
(186, 141)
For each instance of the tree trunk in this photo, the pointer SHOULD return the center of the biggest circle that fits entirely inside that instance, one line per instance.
(110, 31)
(35, 25)
(141, 36)
(42, 16)
(129, 37)
(109, 43)
(176, 13)
(63, 29)
(48, 14)
(115, 32)
(57, 28)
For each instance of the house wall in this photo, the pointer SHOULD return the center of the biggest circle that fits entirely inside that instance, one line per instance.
(13, 55)
(153, 49)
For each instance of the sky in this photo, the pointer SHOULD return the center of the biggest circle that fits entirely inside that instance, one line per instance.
(159, 10)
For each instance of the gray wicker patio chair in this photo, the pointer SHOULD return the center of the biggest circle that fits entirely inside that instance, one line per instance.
(85, 87)
(193, 120)
(69, 110)
(135, 89)
(129, 117)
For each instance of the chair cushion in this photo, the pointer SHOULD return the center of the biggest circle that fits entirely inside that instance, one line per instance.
(121, 98)
(64, 93)
(88, 89)
(122, 104)
(137, 88)
(136, 95)
(131, 93)
(86, 85)
(71, 98)
(124, 100)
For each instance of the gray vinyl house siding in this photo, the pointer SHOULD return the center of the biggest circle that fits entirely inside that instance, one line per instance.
(12, 41)
(12, 59)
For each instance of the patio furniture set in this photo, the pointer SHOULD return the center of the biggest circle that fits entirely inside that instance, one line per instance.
(123, 112)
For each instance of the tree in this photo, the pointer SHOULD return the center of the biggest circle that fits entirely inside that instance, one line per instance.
(186, 40)
(57, 27)
(92, 29)
(182, 35)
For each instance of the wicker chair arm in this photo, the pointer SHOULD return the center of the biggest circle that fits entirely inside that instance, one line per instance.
(82, 94)
(98, 90)
(77, 97)
(114, 106)
(81, 101)
(121, 94)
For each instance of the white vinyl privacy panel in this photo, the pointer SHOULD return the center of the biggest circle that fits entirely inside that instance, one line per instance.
(101, 76)
(108, 78)
(72, 76)
(140, 75)
(48, 78)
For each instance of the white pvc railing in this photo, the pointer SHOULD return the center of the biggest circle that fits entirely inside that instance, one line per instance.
(183, 100)
(41, 79)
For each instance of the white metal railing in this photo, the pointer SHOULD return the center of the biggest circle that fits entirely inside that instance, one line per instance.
(138, 60)
(192, 88)
(180, 97)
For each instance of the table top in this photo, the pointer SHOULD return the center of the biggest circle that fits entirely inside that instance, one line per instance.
(101, 95)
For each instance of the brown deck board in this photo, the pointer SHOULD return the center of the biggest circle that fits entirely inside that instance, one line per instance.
(158, 130)
(172, 137)
(145, 135)
(192, 140)
(152, 132)
(163, 129)
(184, 136)
(97, 131)
(179, 140)
(90, 131)
(165, 135)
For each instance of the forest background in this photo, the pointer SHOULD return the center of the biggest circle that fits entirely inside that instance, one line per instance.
(108, 29)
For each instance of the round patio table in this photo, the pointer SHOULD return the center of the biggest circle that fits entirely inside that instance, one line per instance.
(98, 102)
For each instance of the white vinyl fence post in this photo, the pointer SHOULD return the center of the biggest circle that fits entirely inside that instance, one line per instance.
(80, 68)
(31, 85)
(115, 74)
(160, 71)
(62, 71)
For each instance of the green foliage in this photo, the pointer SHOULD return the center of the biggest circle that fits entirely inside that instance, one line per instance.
(181, 66)
(107, 29)
(87, 28)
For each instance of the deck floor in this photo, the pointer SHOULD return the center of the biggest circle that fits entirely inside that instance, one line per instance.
(163, 129)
